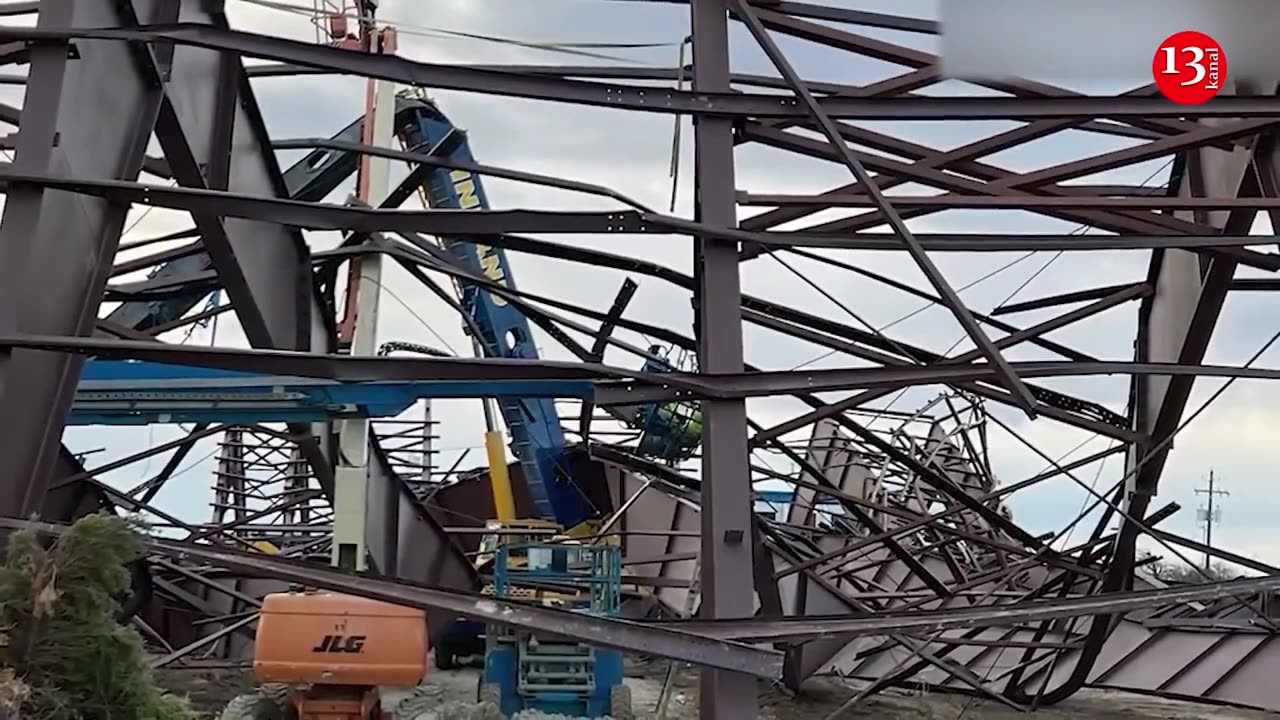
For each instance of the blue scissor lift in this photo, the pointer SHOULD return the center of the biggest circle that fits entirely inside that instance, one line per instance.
(523, 671)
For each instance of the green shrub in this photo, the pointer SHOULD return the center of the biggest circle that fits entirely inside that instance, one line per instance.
(59, 632)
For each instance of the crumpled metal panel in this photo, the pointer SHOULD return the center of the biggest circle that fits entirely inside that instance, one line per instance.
(1223, 665)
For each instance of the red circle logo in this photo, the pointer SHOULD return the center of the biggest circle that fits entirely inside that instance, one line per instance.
(1189, 67)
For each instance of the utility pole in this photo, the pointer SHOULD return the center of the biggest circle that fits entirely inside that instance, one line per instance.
(1208, 516)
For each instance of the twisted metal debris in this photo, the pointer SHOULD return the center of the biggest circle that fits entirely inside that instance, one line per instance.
(912, 522)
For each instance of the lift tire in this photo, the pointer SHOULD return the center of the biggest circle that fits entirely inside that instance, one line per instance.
(254, 706)
(445, 659)
(281, 695)
(620, 703)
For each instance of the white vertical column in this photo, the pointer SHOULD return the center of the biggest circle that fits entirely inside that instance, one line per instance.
(350, 504)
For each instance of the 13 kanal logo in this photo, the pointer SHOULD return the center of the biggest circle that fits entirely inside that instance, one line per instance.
(1189, 67)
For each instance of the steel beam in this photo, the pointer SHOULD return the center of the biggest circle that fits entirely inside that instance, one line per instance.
(662, 100)
(201, 138)
(76, 500)
(1025, 184)
(797, 324)
(500, 223)
(337, 367)
(200, 115)
(1177, 322)
(624, 635)
(213, 135)
(963, 159)
(617, 386)
(802, 629)
(408, 543)
(262, 209)
(727, 580)
(951, 300)
(1054, 403)
(1123, 295)
(1014, 202)
(763, 313)
(437, 161)
(764, 384)
(56, 249)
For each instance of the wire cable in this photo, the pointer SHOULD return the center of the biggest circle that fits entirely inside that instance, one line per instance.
(382, 286)
(582, 49)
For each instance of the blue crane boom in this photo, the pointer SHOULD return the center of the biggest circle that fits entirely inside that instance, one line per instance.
(537, 437)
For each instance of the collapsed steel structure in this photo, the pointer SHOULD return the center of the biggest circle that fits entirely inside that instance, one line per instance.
(922, 575)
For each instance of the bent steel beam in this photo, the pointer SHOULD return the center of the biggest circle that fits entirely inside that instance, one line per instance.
(795, 629)
(598, 630)
(499, 223)
(951, 300)
(1124, 295)
(617, 386)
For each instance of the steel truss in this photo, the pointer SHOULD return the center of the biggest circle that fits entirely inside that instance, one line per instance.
(920, 573)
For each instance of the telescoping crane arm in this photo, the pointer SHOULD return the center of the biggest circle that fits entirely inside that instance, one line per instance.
(537, 437)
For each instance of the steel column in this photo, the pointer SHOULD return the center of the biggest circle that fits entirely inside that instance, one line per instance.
(56, 249)
(1178, 320)
(727, 578)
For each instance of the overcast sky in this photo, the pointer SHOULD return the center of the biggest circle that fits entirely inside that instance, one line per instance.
(631, 152)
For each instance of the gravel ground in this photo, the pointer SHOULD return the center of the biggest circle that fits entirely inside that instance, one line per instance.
(211, 687)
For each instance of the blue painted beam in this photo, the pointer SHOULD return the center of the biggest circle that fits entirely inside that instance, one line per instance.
(127, 392)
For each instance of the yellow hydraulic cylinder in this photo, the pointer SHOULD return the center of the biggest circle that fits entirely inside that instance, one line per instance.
(504, 501)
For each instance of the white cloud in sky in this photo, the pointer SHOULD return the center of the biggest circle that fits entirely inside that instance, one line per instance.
(631, 152)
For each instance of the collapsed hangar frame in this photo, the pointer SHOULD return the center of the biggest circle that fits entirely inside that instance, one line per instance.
(74, 177)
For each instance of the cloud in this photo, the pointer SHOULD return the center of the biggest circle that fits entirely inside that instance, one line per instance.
(632, 152)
